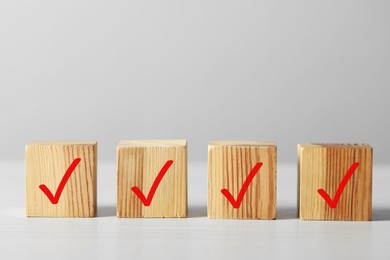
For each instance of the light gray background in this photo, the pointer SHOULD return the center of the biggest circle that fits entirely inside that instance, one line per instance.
(283, 71)
(287, 71)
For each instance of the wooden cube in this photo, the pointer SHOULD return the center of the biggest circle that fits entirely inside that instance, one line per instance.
(152, 178)
(242, 180)
(50, 165)
(335, 181)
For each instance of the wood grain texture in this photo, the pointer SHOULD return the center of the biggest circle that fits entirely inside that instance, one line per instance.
(229, 163)
(46, 163)
(324, 166)
(138, 163)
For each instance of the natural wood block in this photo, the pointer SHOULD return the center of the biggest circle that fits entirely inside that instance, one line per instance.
(231, 164)
(139, 163)
(324, 167)
(48, 164)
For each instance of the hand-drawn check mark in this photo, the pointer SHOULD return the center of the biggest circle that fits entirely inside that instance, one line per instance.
(236, 203)
(148, 200)
(333, 203)
(54, 199)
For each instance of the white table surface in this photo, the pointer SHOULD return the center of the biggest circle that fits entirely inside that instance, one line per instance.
(196, 237)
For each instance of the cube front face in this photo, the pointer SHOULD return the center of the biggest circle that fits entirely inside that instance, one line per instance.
(324, 166)
(138, 165)
(47, 164)
(229, 166)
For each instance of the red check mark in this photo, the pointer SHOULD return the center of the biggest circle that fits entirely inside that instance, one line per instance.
(148, 200)
(333, 203)
(54, 199)
(236, 203)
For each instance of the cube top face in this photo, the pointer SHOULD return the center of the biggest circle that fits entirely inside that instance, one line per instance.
(152, 143)
(47, 164)
(230, 164)
(138, 165)
(62, 143)
(324, 167)
(241, 143)
(334, 145)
